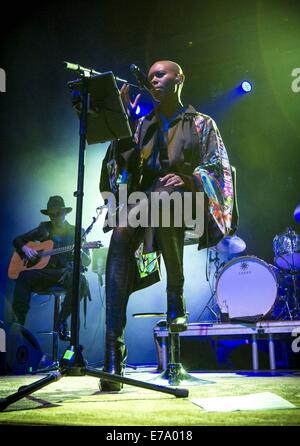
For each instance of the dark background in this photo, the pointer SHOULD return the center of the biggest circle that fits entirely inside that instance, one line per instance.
(218, 44)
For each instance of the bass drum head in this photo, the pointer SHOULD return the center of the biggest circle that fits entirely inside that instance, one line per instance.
(248, 285)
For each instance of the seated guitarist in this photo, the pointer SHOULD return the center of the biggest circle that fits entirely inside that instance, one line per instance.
(58, 271)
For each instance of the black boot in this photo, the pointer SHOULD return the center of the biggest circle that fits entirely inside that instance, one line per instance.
(119, 277)
(115, 362)
(176, 314)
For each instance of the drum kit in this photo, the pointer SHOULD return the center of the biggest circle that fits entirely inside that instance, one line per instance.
(248, 289)
(287, 260)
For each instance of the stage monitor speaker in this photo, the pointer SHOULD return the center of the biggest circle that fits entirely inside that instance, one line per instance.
(22, 353)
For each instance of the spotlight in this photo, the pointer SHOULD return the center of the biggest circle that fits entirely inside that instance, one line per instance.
(246, 86)
(297, 214)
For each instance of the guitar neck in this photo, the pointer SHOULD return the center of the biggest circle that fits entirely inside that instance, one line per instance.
(62, 249)
(55, 251)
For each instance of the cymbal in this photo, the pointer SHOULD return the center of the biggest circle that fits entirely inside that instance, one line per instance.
(231, 245)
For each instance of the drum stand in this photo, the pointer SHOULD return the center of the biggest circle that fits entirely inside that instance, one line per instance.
(212, 304)
(296, 312)
(286, 308)
(291, 298)
(292, 269)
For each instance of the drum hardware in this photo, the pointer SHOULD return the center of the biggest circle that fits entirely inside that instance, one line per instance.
(292, 294)
(294, 274)
(282, 309)
(284, 312)
(224, 312)
(295, 292)
(286, 248)
(211, 305)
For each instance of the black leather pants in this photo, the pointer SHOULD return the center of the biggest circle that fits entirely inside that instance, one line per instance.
(120, 270)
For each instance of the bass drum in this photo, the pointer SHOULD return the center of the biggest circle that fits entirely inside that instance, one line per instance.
(248, 287)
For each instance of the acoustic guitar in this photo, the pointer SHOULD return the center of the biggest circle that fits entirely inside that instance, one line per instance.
(45, 252)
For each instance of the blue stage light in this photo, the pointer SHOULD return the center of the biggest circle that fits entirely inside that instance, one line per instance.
(142, 109)
(246, 86)
(297, 214)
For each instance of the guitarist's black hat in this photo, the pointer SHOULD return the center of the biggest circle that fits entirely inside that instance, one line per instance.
(55, 203)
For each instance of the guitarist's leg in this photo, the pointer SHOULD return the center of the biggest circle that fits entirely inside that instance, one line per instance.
(27, 282)
(66, 306)
(65, 311)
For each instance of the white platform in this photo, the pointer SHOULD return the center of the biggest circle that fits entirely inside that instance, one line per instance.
(256, 330)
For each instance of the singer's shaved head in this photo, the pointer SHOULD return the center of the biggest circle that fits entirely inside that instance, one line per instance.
(170, 65)
(167, 80)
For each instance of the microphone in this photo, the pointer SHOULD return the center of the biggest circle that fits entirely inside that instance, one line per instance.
(141, 77)
(90, 72)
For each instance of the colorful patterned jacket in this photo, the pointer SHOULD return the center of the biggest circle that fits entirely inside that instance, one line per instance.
(196, 152)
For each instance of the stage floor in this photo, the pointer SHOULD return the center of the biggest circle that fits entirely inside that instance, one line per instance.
(77, 401)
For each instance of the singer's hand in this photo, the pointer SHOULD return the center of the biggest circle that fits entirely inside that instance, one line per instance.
(126, 98)
(171, 179)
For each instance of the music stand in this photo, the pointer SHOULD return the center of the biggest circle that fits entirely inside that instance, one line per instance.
(102, 118)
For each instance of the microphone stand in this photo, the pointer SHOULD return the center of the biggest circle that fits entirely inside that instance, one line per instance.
(94, 219)
(72, 363)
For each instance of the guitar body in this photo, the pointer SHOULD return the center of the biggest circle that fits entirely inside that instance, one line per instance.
(17, 264)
